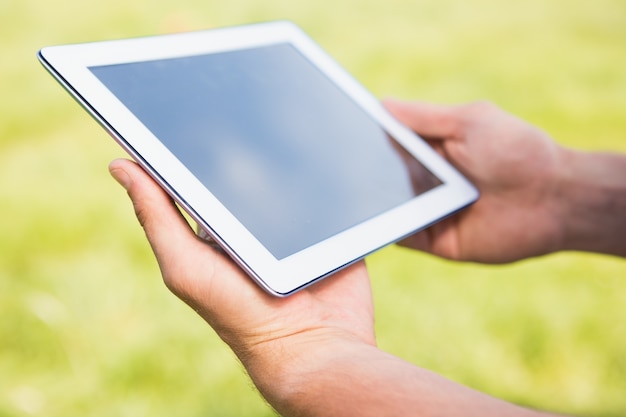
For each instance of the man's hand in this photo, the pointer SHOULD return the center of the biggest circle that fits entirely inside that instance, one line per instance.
(311, 354)
(514, 165)
(262, 330)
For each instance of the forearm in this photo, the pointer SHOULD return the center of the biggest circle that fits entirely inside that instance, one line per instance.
(356, 379)
(592, 195)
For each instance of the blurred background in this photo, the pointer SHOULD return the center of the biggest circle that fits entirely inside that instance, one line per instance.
(88, 328)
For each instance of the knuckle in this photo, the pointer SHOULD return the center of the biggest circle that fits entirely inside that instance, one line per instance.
(479, 108)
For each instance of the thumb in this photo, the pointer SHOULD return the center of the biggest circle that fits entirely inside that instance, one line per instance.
(172, 239)
(188, 265)
(431, 121)
(155, 210)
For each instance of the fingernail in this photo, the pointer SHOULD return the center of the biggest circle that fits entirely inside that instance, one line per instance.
(121, 177)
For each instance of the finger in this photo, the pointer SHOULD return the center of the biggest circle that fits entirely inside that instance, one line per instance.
(419, 241)
(172, 239)
(156, 212)
(431, 121)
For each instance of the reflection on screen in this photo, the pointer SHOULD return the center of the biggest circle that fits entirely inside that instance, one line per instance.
(284, 149)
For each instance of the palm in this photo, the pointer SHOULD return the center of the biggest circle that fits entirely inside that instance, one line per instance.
(248, 316)
(241, 313)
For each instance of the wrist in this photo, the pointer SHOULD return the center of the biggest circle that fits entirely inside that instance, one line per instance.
(339, 376)
(287, 371)
(591, 196)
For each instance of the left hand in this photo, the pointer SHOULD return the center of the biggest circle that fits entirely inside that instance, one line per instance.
(257, 326)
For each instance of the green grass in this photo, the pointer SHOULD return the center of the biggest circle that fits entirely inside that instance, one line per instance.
(86, 326)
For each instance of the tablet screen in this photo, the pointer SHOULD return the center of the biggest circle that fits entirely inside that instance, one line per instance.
(281, 146)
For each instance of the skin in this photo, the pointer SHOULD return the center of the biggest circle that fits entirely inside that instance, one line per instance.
(315, 353)
(536, 196)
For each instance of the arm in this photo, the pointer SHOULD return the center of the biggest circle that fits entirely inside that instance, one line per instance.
(353, 379)
(311, 354)
(592, 192)
(536, 196)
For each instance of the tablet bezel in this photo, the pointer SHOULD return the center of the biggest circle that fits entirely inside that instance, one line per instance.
(70, 64)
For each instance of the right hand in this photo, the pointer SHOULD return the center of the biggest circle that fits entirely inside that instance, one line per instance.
(513, 164)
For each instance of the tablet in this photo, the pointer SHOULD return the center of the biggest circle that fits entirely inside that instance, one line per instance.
(278, 154)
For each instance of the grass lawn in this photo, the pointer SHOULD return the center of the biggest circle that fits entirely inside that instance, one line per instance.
(86, 326)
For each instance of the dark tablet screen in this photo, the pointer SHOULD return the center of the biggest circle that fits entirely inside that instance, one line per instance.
(279, 144)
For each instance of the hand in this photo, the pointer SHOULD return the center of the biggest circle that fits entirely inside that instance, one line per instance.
(260, 329)
(310, 354)
(514, 165)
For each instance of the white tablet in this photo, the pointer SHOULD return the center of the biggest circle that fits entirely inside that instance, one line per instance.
(271, 147)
